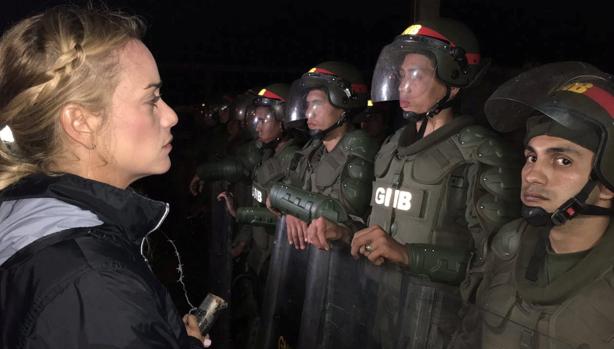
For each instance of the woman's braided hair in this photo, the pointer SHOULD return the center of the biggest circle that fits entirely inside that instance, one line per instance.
(65, 55)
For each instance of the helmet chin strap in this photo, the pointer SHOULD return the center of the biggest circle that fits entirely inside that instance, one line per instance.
(272, 144)
(317, 134)
(538, 217)
(442, 104)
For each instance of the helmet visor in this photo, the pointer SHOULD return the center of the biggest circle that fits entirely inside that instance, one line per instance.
(508, 108)
(404, 71)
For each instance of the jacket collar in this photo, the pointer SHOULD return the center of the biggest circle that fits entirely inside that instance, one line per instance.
(133, 214)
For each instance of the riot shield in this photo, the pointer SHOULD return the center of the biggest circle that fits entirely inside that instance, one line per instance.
(284, 293)
(353, 304)
(220, 267)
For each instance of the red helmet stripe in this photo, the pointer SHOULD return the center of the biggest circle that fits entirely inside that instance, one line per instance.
(430, 32)
(601, 97)
(270, 94)
(323, 71)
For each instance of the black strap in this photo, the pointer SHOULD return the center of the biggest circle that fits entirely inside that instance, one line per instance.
(537, 259)
(442, 104)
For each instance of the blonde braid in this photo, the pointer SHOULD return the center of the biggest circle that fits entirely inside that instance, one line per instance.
(64, 55)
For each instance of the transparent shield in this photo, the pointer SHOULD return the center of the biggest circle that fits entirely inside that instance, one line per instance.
(403, 73)
(284, 292)
(257, 119)
(514, 101)
(353, 304)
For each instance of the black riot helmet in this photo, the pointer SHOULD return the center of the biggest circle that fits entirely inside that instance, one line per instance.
(342, 83)
(212, 108)
(273, 98)
(571, 100)
(454, 56)
(238, 108)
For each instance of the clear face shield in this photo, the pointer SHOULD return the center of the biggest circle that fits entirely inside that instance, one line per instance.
(403, 72)
(316, 95)
(260, 120)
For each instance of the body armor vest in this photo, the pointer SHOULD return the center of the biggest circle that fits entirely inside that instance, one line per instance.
(575, 310)
(343, 174)
(272, 169)
(434, 190)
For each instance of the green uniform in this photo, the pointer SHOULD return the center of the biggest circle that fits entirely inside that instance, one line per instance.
(344, 174)
(442, 195)
(531, 298)
(273, 168)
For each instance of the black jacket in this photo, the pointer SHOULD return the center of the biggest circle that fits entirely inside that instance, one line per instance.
(83, 287)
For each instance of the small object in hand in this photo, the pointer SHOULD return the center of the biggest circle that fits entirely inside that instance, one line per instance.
(208, 311)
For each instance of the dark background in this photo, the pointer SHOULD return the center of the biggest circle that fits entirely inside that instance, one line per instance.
(214, 46)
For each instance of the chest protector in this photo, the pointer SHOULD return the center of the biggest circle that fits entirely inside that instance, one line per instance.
(272, 168)
(575, 310)
(344, 174)
(451, 188)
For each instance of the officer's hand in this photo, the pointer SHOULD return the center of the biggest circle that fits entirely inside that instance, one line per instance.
(297, 232)
(196, 185)
(321, 230)
(375, 244)
(229, 201)
(191, 326)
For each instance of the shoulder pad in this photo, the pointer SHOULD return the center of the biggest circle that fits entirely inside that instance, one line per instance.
(386, 152)
(494, 211)
(502, 183)
(287, 154)
(358, 143)
(485, 146)
(355, 183)
(250, 154)
(506, 242)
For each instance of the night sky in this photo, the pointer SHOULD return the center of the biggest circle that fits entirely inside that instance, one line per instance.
(209, 47)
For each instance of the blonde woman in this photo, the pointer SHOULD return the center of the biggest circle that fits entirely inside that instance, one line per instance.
(81, 94)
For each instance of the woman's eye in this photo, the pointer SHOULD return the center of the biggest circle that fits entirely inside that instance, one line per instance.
(154, 101)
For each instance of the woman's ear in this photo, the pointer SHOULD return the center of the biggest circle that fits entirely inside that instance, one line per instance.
(79, 125)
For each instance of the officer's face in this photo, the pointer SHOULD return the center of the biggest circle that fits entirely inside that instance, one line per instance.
(267, 127)
(555, 170)
(419, 89)
(320, 113)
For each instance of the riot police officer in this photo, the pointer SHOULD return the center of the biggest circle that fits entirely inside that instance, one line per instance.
(442, 183)
(265, 116)
(338, 160)
(548, 281)
(336, 165)
(235, 153)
